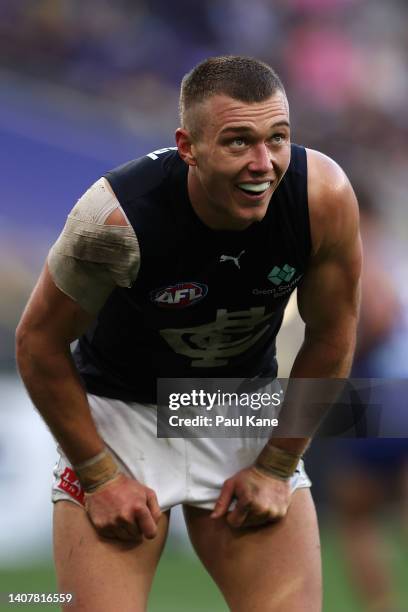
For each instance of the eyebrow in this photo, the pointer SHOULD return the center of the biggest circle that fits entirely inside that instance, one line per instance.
(245, 130)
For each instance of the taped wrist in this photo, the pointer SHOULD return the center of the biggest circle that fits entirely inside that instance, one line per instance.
(277, 462)
(96, 471)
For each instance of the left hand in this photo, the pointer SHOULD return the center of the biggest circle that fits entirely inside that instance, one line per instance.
(260, 499)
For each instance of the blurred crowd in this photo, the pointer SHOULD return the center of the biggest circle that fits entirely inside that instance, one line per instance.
(344, 64)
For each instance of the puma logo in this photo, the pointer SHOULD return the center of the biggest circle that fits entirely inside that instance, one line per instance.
(232, 258)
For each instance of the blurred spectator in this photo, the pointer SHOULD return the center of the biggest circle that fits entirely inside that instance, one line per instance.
(325, 64)
(371, 475)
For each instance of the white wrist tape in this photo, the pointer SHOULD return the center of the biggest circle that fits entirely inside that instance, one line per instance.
(97, 471)
(277, 461)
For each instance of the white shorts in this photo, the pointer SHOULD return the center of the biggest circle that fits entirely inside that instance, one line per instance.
(180, 470)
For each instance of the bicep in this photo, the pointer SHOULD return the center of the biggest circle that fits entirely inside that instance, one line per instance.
(328, 298)
(88, 283)
(51, 317)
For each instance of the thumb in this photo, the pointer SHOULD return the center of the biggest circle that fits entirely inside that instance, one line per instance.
(223, 502)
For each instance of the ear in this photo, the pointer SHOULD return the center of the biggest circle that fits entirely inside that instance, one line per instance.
(185, 146)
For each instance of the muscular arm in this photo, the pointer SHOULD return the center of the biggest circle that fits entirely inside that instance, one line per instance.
(328, 303)
(53, 318)
(118, 506)
(51, 321)
(328, 298)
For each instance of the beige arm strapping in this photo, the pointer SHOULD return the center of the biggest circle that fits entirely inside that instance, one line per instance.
(90, 257)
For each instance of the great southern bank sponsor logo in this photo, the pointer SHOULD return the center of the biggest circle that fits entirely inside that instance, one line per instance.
(180, 295)
(284, 280)
(278, 275)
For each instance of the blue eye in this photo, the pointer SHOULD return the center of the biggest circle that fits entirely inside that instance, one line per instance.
(279, 139)
(238, 142)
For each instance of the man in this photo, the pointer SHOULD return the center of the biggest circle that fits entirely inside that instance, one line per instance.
(226, 215)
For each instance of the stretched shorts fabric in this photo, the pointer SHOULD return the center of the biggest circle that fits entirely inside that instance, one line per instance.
(180, 470)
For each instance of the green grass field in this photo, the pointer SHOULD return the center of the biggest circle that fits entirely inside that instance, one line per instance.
(182, 585)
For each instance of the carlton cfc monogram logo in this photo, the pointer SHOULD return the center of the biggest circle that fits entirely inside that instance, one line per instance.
(180, 295)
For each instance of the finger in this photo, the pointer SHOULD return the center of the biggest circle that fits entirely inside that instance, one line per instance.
(131, 528)
(116, 533)
(224, 500)
(146, 523)
(237, 517)
(153, 505)
(273, 515)
(256, 520)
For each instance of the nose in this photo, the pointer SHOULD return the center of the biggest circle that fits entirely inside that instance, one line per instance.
(261, 162)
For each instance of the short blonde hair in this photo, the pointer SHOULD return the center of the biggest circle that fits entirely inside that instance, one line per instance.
(242, 78)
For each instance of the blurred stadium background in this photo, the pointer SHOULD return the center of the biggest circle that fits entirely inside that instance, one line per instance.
(86, 85)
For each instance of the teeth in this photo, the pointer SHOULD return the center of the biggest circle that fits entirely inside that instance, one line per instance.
(255, 188)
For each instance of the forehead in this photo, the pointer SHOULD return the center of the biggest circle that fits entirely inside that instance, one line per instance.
(220, 112)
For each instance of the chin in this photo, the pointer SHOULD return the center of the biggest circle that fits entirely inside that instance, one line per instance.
(244, 220)
(253, 213)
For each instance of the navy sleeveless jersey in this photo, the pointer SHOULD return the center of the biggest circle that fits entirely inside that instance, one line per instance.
(205, 303)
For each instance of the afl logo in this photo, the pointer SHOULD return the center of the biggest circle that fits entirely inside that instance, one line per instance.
(180, 295)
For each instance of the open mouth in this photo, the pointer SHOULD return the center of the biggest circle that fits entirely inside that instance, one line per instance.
(254, 189)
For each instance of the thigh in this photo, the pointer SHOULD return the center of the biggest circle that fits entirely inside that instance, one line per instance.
(102, 574)
(269, 569)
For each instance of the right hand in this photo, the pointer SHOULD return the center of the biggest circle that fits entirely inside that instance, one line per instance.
(124, 509)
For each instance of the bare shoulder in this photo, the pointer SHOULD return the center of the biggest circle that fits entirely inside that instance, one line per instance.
(333, 205)
(117, 216)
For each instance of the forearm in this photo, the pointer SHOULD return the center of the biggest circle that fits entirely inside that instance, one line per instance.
(320, 359)
(307, 401)
(55, 388)
(325, 356)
